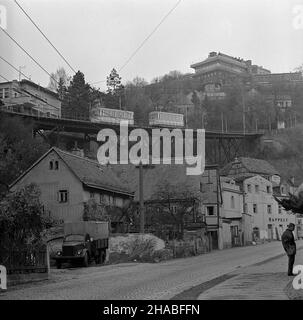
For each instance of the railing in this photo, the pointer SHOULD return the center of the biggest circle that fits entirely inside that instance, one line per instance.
(25, 260)
(85, 119)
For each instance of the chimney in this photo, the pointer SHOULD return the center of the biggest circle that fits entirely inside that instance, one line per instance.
(292, 179)
(76, 151)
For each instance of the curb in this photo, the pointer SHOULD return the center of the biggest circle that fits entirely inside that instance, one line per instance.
(194, 292)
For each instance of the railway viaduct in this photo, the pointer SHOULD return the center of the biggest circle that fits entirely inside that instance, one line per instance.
(220, 148)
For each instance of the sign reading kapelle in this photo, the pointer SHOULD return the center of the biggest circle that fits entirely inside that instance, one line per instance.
(297, 282)
(3, 278)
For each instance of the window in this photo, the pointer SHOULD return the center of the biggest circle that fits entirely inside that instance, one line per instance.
(248, 188)
(56, 165)
(51, 165)
(91, 195)
(232, 202)
(280, 209)
(174, 209)
(255, 208)
(234, 231)
(268, 189)
(63, 196)
(6, 92)
(210, 210)
(111, 200)
(257, 188)
(269, 209)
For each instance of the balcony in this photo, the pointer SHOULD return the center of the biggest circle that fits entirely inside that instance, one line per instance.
(211, 220)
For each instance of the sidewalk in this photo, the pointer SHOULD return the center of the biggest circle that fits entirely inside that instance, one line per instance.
(262, 281)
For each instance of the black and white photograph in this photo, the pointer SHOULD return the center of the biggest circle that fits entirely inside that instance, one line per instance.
(151, 153)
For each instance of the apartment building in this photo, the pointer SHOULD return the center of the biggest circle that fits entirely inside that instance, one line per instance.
(28, 97)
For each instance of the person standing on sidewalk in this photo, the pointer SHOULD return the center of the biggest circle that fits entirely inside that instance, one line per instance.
(289, 245)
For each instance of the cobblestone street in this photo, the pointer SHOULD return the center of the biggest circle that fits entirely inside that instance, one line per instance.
(168, 279)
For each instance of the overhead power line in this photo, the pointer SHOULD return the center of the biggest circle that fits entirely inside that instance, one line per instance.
(29, 55)
(4, 78)
(15, 68)
(146, 39)
(28, 79)
(45, 37)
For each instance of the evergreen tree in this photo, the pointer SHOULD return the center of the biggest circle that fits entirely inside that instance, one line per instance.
(113, 83)
(115, 90)
(76, 103)
(61, 90)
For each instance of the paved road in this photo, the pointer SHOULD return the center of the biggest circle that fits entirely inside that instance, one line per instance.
(144, 280)
(266, 281)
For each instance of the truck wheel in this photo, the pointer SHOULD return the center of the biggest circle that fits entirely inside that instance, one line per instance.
(58, 265)
(98, 259)
(85, 260)
(102, 256)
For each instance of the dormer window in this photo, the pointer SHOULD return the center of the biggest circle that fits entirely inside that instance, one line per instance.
(51, 165)
(56, 165)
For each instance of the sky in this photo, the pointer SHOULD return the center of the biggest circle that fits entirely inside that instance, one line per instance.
(98, 35)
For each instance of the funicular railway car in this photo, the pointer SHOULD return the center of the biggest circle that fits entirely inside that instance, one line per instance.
(158, 118)
(111, 115)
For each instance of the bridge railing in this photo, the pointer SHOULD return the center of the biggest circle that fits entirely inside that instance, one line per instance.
(79, 117)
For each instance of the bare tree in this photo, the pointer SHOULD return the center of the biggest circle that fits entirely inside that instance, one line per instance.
(174, 204)
(60, 76)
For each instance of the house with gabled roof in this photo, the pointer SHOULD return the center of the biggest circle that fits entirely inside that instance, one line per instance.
(169, 183)
(248, 167)
(67, 181)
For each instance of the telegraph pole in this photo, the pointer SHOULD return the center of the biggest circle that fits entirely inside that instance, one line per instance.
(243, 104)
(20, 67)
(141, 198)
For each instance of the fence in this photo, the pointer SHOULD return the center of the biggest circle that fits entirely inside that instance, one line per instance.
(187, 248)
(24, 261)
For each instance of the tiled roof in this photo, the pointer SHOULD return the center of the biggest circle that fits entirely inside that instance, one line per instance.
(258, 166)
(92, 174)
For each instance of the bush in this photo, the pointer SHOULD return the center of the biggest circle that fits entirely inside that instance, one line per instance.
(22, 220)
(162, 255)
(141, 249)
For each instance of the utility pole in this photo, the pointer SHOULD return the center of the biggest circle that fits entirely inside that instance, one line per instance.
(20, 67)
(222, 122)
(141, 198)
(243, 104)
(141, 193)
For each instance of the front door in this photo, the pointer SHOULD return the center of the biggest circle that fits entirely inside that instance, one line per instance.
(214, 240)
